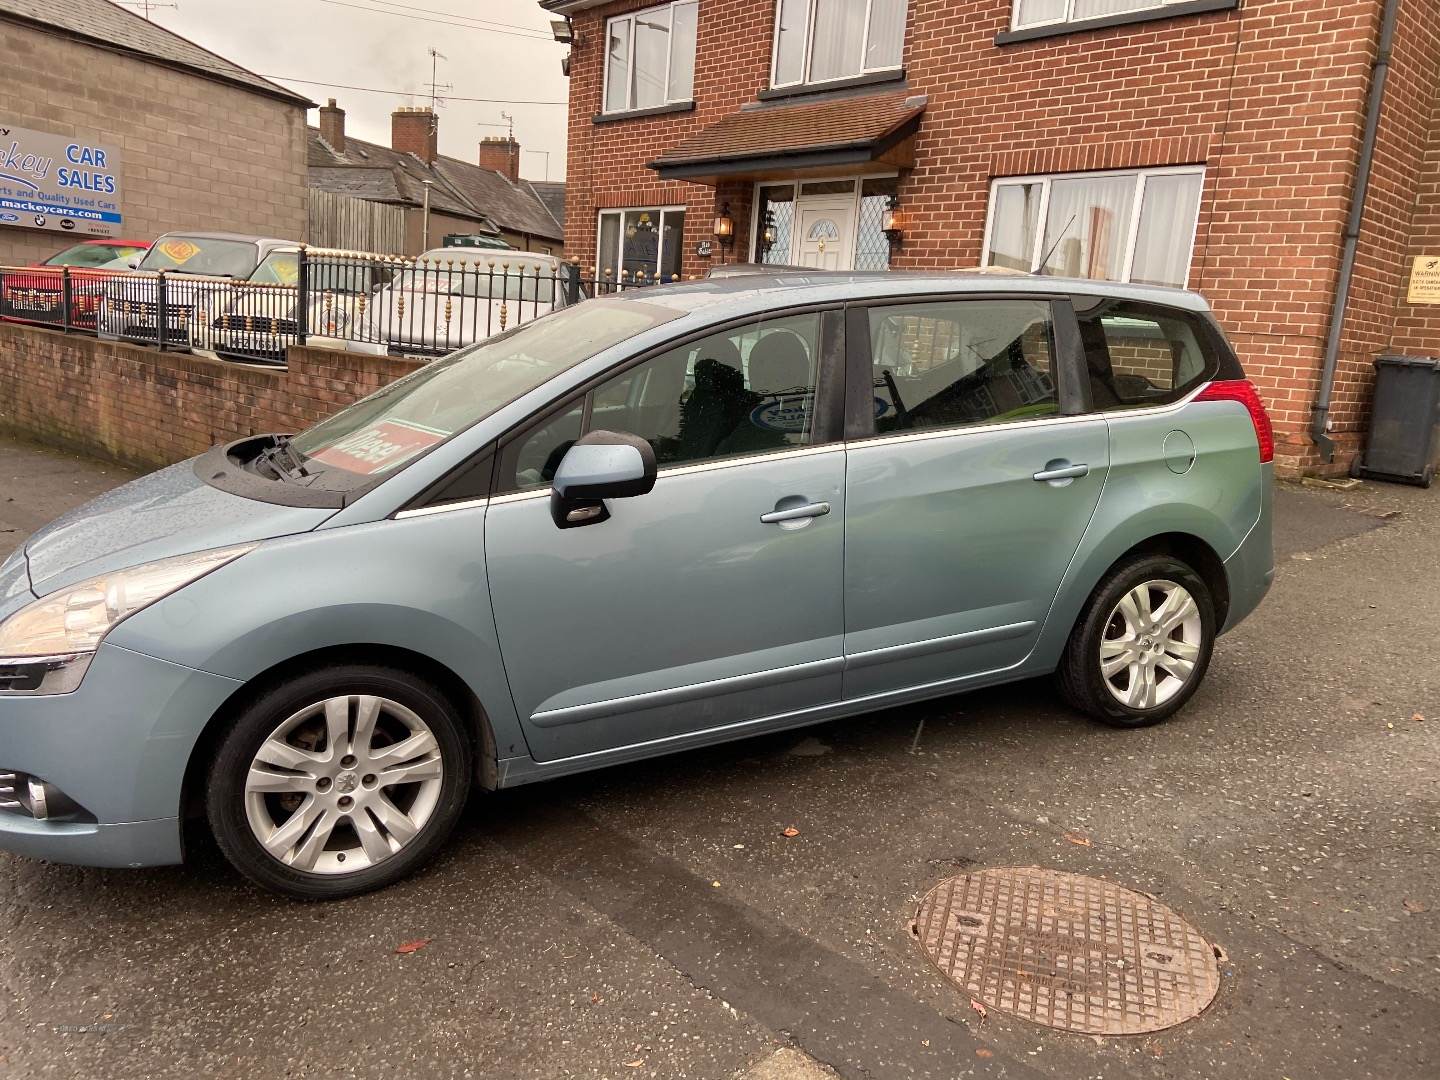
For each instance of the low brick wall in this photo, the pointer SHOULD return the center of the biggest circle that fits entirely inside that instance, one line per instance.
(147, 408)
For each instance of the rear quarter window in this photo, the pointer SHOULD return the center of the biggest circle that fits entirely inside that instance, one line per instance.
(1141, 355)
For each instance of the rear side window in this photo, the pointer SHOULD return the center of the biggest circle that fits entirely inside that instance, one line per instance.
(962, 362)
(1141, 355)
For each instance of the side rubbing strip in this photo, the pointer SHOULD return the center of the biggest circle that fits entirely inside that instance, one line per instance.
(937, 645)
(598, 710)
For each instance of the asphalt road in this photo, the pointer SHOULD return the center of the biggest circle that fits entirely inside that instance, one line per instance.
(652, 920)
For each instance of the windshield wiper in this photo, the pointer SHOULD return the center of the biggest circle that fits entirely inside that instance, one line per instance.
(272, 457)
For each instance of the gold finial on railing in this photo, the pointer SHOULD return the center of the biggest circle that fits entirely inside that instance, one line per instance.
(399, 305)
(449, 306)
(249, 324)
(504, 314)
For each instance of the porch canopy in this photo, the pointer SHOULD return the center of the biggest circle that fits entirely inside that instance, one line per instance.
(839, 137)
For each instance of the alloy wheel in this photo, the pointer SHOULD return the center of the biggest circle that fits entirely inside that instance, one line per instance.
(343, 784)
(1151, 644)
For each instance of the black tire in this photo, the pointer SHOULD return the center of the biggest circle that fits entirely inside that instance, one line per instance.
(225, 797)
(1080, 679)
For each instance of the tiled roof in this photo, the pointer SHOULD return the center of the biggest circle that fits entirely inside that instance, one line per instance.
(852, 123)
(369, 171)
(552, 194)
(110, 26)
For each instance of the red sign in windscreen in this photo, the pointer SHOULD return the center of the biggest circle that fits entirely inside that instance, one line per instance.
(377, 448)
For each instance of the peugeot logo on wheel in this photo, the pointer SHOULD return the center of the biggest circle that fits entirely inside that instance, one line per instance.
(346, 782)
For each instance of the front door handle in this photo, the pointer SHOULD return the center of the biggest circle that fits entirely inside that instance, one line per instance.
(795, 513)
(1057, 470)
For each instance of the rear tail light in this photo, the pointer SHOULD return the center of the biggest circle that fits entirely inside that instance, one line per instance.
(1243, 391)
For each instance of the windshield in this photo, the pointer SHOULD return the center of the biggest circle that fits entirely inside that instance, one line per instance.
(102, 256)
(412, 414)
(326, 275)
(202, 255)
(482, 283)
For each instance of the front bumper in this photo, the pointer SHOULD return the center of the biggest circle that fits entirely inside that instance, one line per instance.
(119, 747)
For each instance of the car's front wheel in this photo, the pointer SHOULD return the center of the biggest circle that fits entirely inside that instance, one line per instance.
(1143, 643)
(339, 781)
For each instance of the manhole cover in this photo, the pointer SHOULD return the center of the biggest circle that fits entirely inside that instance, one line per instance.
(1067, 951)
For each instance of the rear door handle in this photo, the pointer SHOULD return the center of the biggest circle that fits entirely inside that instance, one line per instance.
(1062, 472)
(795, 513)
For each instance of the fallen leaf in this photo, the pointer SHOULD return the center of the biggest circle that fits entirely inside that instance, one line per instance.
(596, 999)
(714, 884)
(984, 1012)
(924, 1042)
(1078, 840)
(635, 1064)
(412, 946)
(1415, 907)
(984, 1052)
(1419, 718)
(789, 830)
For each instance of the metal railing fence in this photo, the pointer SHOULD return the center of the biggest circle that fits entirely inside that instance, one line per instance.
(428, 306)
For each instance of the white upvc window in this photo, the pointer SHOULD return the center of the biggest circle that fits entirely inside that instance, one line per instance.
(1028, 14)
(818, 41)
(1133, 225)
(650, 57)
(639, 245)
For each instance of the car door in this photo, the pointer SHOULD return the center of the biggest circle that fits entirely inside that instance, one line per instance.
(714, 601)
(972, 477)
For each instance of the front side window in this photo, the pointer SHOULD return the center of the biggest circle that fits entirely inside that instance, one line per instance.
(957, 363)
(1031, 13)
(744, 391)
(407, 417)
(1135, 226)
(640, 246)
(650, 57)
(1140, 355)
(824, 40)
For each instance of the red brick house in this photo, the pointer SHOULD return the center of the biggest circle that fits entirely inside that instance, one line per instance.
(1209, 143)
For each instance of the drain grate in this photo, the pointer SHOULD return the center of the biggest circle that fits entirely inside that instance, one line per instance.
(1066, 951)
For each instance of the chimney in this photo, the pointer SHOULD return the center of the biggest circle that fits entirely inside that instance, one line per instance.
(415, 131)
(501, 153)
(332, 126)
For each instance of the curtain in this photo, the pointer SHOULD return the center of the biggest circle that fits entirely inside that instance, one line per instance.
(1087, 226)
(617, 78)
(682, 54)
(790, 42)
(839, 34)
(1030, 12)
(1094, 9)
(885, 45)
(652, 52)
(1167, 229)
(1012, 230)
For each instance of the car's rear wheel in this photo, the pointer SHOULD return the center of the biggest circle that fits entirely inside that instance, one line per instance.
(339, 781)
(1143, 643)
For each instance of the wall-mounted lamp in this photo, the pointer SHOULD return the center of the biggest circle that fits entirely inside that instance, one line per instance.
(768, 233)
(892, 221)
(563, 31)
(725, 227)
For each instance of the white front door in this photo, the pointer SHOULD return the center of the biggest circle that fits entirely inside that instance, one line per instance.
(825, 232)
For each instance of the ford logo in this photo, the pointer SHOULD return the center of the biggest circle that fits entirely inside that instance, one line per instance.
(9, 217)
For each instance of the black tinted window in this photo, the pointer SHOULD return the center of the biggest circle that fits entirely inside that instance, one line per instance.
(962, 362)
(1139, 354)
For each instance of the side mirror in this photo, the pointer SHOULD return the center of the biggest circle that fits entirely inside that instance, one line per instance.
(133, 264)
(601, 465)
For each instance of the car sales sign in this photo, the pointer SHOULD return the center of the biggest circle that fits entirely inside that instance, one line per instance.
(57, 183)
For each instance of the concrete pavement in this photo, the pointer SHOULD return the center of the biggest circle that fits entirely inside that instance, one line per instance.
(652, 921)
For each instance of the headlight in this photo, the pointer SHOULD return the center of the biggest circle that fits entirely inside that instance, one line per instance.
(74, 620)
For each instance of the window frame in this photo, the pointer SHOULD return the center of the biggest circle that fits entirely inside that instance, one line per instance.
(659, 247)
(1141, 177)
(629, 18)
(831, 376)
(1068, 19)
(1072, 389)
(805, 79)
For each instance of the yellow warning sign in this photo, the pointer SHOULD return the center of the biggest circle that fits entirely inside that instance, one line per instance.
(1425, 280)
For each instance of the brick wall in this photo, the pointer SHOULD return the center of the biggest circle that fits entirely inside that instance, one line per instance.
(195, 154)
(148, 409)
(1269, 97)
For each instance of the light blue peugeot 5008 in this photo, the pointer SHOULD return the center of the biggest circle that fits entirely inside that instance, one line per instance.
(643, 524)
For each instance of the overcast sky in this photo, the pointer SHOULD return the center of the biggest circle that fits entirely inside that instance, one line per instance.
(384, 45)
